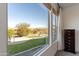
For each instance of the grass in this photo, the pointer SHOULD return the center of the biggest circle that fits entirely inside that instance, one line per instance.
(16, 48)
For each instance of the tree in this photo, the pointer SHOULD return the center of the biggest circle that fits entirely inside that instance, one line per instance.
(22, 29)
(40, 31)
(34, 31)
(11, 32)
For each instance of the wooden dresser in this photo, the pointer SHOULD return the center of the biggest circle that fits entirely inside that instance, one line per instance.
(69, 40)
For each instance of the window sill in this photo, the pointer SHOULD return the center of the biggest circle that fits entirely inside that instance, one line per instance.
(29, 52)
(44, 49)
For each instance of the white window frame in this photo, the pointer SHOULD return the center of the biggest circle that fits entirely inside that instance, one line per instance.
(56, 29)
(40, 52)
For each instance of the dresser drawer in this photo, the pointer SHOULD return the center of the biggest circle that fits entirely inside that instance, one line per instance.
(69, 34)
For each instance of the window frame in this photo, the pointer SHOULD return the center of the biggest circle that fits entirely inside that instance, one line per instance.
(50, 43)
(37, 53)
(54, 36)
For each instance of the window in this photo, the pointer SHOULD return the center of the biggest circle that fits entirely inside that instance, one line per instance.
(54, 27)
(27, 28)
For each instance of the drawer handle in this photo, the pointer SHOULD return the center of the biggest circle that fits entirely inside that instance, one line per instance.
(69, 37)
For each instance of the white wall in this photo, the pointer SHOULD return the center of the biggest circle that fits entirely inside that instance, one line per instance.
(3, 27)
(70, 17)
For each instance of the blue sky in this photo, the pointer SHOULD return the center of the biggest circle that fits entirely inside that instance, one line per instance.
(34, 14)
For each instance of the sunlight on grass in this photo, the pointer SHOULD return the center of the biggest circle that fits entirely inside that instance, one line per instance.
(16, 48)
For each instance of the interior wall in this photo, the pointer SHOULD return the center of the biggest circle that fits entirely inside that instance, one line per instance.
(70, 17)
(3, 28)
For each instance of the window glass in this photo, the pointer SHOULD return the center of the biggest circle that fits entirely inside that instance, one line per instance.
(27, 28)
(54, 27)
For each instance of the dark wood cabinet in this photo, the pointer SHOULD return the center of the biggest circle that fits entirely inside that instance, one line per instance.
(69, 40)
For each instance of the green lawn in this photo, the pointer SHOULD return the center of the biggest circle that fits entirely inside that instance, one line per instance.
(15, 48)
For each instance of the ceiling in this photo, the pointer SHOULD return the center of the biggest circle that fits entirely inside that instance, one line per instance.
(66, 5)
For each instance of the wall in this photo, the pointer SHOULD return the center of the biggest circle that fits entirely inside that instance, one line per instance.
(3, 25)
(70, 17)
